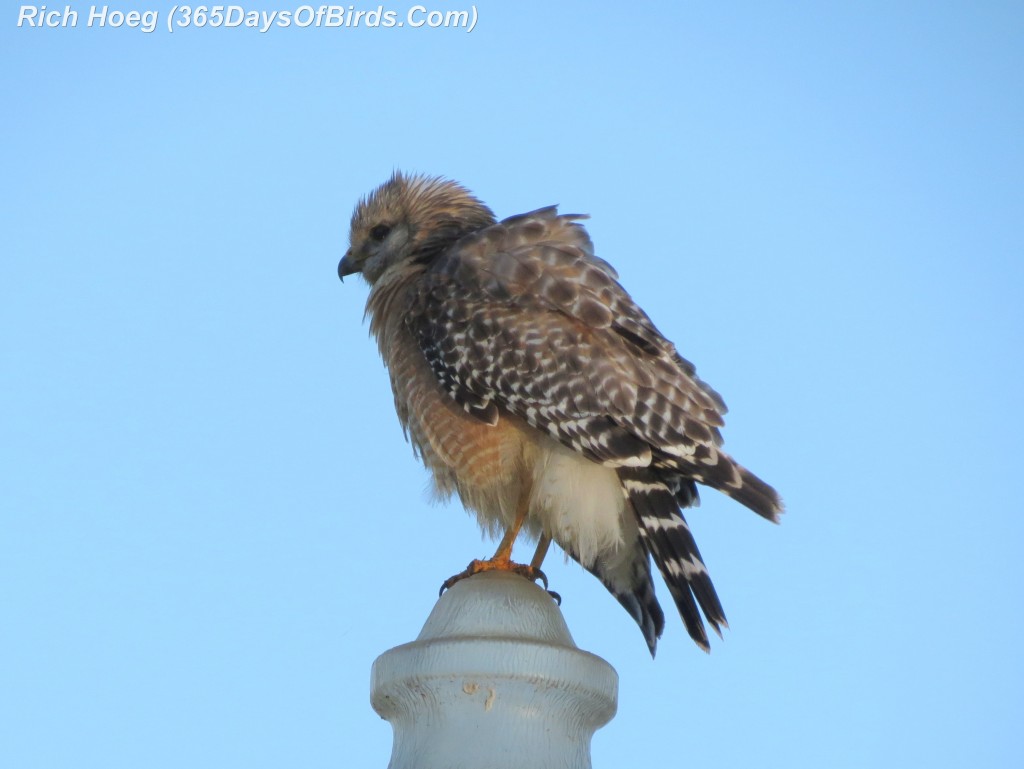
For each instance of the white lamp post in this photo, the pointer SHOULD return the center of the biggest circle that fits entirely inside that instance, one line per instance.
(494, 681)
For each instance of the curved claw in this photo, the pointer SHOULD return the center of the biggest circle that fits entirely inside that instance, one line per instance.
(476, 567)
(556, 596)
(537, 574)
(469, 571)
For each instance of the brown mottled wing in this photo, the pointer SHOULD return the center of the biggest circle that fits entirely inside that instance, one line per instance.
(522, 316)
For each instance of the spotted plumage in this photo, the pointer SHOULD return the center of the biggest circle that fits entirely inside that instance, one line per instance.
(522, 369)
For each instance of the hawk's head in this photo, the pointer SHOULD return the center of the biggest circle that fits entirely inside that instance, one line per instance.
(409, 219)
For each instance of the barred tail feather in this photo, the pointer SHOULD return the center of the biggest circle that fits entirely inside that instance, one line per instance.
(634, 591)
(667, 537)
(713, 467)
(738, 482)
(758, 496)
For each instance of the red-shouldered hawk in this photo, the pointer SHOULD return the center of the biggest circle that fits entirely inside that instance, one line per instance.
(530, 383)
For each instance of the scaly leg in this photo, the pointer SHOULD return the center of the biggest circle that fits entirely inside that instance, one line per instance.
(502, 558)
(542, 550)
(538, 559)
(503, 554)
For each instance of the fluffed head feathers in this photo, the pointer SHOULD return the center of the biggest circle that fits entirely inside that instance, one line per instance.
(409, 218)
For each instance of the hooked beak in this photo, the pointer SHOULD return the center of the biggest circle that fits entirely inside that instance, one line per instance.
(346, 266)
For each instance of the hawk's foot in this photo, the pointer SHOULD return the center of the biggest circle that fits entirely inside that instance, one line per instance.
(497, 564)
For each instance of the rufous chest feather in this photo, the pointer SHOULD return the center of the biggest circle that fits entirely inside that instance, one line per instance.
(463, 452)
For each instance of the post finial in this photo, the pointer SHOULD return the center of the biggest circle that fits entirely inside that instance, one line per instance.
(493, 680)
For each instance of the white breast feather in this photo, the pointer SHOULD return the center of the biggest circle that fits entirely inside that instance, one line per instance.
(580, 503)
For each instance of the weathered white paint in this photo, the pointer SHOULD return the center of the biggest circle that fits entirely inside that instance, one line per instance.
(493, 681)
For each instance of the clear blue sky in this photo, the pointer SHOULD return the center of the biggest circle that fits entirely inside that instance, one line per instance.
(209, 522)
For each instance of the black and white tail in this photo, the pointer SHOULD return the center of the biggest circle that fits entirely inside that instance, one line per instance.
(634, 589)
(667, 538)
(713, 467)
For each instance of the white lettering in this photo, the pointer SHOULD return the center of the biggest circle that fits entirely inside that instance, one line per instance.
(416, 9)
(335, 16)
(234, 17)
(456, 19)
(419, 16)
(104, 17)
(303, 16)
(27, 15)
(149, 21)
(38, 16)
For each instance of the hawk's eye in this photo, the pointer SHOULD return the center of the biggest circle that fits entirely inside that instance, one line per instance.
(380, 231)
